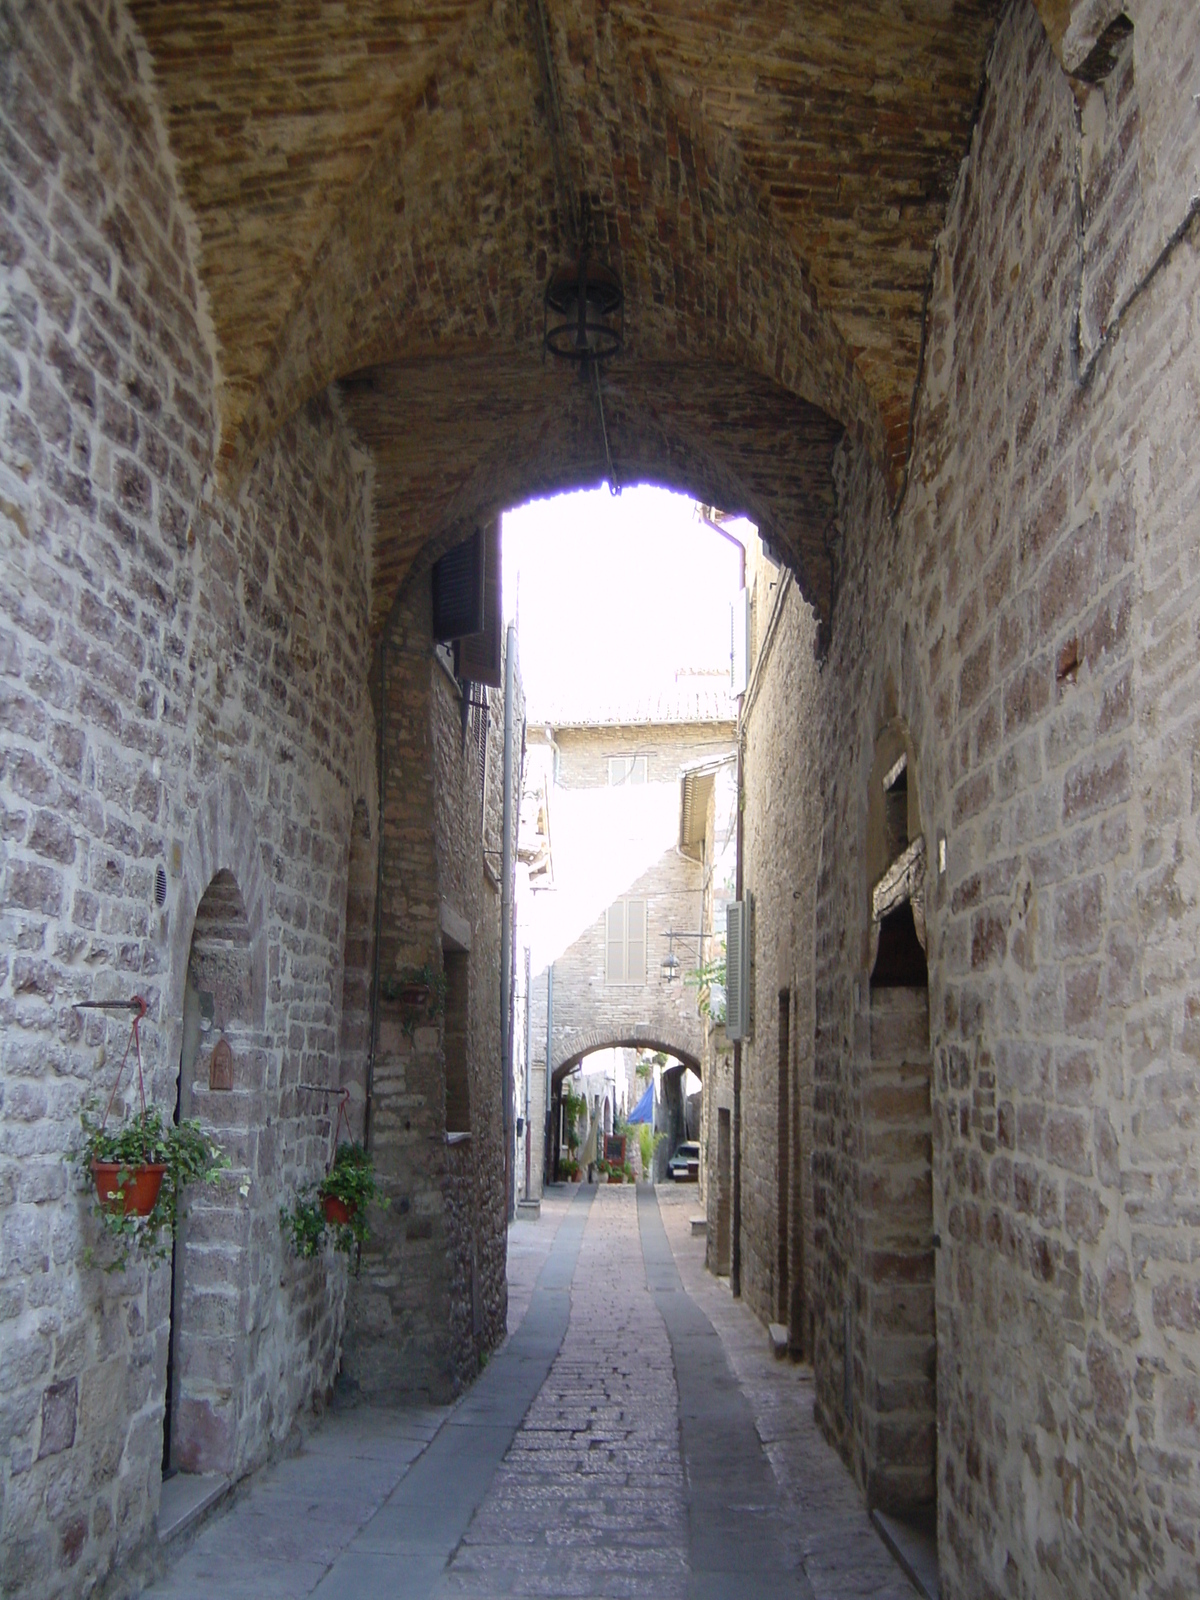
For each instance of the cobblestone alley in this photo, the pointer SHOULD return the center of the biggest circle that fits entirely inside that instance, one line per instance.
(633, 1437)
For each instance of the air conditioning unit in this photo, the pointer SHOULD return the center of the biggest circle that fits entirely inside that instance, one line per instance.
(737, 969)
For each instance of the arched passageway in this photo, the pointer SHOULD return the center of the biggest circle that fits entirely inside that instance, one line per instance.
(672, 1121)
(913, 287)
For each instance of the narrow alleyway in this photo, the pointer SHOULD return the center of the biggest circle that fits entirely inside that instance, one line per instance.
(633, 1438)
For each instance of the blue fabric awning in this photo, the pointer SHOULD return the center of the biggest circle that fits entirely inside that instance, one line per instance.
(644, 1110)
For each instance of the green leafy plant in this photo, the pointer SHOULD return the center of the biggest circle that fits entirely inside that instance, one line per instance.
(144, 1139)
(710, 975)
(407, 985)
(350, 1180)
(648, 1143)
(575, 1107)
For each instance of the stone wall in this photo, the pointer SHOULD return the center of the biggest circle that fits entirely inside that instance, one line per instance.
(431, 1300)
(781, 833)
(182, 684)
(1026, 621)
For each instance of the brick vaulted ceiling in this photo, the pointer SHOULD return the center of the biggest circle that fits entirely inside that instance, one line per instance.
(375, 194)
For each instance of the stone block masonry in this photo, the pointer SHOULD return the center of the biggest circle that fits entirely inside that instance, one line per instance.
(430, 1301)
(1026, 618)
(781, 828)
(182, 685)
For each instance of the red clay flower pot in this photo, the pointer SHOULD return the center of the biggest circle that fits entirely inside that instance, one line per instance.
(337, 1211)
(136, 1196)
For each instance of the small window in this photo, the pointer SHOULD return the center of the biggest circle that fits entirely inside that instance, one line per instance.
(625, 942)
(626, 769)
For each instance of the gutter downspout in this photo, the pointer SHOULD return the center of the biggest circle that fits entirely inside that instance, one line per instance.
(551, 1139)
(528, 1069)
(735, 1264)
(506, 917)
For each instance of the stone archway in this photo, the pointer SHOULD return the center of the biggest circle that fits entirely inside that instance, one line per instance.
(217, 1005)
(606, 1039)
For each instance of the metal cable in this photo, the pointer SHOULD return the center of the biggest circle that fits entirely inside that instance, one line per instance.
(558, 130)
(614, 485)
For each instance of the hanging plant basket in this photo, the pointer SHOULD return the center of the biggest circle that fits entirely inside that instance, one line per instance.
(131, 1191)
(338, 1204)
(140, 1167)
(338, 1212)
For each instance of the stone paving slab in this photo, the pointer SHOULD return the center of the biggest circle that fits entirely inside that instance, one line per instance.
(827, 1526)
(280, 1535)
(589, 1501)
(560, 1474)
(737, 1538)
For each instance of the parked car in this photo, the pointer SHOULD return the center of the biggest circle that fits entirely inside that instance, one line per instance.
(684, 1165)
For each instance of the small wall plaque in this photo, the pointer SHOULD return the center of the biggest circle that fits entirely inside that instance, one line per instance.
(220, 1066)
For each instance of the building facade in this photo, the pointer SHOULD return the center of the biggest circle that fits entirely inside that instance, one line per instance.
(626, 895)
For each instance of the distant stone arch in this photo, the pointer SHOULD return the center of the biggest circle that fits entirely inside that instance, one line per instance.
(623, 1039)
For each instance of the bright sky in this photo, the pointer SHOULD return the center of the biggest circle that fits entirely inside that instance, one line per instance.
(621, 589)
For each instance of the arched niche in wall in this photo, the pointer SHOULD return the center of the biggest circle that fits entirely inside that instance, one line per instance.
(218, 998)
(896, 1407)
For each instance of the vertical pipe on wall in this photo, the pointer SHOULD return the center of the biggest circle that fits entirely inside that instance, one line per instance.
(506, 919)
(528, 1068)
(551, 1157)
(735, 1265)
(381, 784)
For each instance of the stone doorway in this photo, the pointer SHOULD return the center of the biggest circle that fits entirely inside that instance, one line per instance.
(216, 1086)
(898, 1336)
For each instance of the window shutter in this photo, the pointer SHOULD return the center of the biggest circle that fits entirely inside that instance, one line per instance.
(737, 970)
(458, 585)
(614, 970)
(635, 941)
(477, 656)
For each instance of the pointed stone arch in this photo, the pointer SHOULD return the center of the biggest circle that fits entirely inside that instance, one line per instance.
(223, 838)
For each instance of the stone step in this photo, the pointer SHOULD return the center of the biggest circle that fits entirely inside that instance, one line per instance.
(186, 1496)
(914, 1546)
(699, 1227)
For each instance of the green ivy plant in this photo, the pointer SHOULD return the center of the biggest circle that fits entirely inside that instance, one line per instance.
(186, 1151)
(428, 977)
(648, 1143)
(351, 1179)
(575, 1106)
(703, 979)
